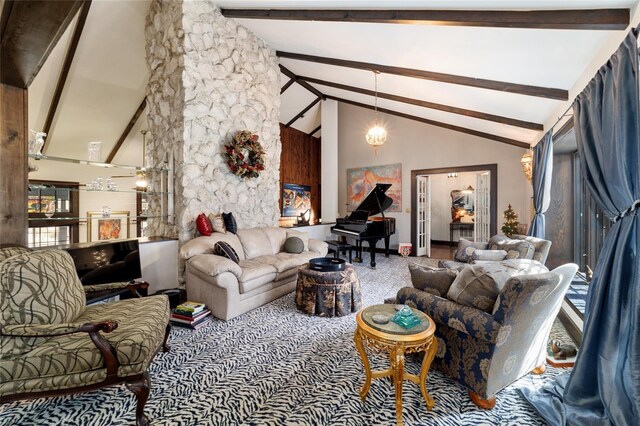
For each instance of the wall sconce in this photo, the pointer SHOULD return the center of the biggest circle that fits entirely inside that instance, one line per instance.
(452, 175)
(527, 165)
(303, 218)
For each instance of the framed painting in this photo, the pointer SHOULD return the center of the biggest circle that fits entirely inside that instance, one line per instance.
(114, 227)
(363, 179)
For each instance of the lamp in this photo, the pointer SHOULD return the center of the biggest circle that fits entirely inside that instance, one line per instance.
(304, 217)
(527, 164)
(377, 135)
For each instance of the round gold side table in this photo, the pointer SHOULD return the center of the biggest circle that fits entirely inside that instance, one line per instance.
(397, 341)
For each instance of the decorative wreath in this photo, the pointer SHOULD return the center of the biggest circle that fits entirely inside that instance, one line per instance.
(245, 155)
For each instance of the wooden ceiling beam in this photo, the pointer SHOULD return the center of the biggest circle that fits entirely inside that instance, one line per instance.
(581, 19)
(303, 112)
(314, 131)
(31, 30)
(431, 105)
(127, 130)
(287, 85)
(304, 84)
(64, 72)
(500, 86)
(466, 130)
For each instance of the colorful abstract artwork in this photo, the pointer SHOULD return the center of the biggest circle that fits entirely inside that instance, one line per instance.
(109, 229)
(296, 199)
(363, 179)
(114, 227)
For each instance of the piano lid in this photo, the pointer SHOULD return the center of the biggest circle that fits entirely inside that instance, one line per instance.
(376, 199)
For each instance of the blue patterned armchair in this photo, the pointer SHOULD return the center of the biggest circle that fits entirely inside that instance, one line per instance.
(486, 352)
(52, 344)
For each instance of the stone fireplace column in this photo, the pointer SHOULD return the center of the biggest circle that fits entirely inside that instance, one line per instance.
(209, 78)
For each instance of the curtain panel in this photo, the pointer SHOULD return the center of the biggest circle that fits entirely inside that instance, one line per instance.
(542, 176)
(604, 386)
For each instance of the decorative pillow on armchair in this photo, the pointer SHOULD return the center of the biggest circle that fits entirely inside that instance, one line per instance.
(478, 286)
(516, 249)
(465, 250)
(432, 280)
(494, 255)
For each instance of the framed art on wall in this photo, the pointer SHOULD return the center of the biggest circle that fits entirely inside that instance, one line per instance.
(361, 180)
(114, 227)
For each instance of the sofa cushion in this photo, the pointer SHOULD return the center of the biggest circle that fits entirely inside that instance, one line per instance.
(288, 263)
(494, 255)
(212, 265)
(302, 235)
(432, 280)
(293, 245)
(8, 252)
(516, 249)
(465, 250)
(225, 250)
(452, 264)
(217, 223)
(205, 245)
(230, 222)
(257, 272)
(203, 224)
(276, 237)
(254, 243)
(541, 247)
(478, 286)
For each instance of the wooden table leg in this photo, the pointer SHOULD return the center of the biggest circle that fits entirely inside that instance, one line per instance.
(398, 377)
(357, 338)
(430, 353)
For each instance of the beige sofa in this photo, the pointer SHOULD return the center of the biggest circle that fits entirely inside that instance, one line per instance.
(263, 274)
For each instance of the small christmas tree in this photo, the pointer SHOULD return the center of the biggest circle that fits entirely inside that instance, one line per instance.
(510, 225)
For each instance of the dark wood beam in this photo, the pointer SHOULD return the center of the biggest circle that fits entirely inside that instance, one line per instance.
(31, 31)
(301, 113)
(583, 19)
(287, 85)
(431, 105)
(127, 130)
(314, 131)
(304, 84)
(64, 72)
(466, 130)
(500, 86)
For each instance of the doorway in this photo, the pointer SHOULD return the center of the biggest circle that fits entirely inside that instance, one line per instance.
(469, 211)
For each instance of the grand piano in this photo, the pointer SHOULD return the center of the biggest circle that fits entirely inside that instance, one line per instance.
(361, 226)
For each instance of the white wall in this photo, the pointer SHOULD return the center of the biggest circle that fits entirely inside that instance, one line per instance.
(329, 161)
(420, 146)
(441, 187)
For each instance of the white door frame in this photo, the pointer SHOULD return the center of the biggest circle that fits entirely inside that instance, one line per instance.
(423, 216)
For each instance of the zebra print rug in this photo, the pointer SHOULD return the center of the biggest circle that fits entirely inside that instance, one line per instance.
(276, 366)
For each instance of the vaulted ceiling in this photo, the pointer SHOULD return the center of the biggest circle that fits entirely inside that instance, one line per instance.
(508, 83)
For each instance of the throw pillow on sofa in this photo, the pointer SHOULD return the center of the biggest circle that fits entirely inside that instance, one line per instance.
(302, 235)
(465, 250)
(432, 280)
(478, 286)
(217, 223)
(223, 249)
(494, 255)
(516, 249)
(230, 223)
(203, 224)
(293, 245)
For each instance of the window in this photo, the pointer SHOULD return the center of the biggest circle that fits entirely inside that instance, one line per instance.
(53, 213)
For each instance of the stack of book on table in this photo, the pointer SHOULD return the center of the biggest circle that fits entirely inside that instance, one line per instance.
(191, 315)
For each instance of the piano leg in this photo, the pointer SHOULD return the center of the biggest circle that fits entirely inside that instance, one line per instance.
(358, 258)
(386, 245)
(372, 249)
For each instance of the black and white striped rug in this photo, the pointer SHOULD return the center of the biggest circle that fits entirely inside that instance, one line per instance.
(276, 366)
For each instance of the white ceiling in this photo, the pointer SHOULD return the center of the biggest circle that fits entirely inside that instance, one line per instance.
(108, 77)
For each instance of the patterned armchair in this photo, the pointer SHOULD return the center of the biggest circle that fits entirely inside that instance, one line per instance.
(52, 344)
(487, 352)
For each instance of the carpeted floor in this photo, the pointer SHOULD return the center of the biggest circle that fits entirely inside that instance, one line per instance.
(276, 366)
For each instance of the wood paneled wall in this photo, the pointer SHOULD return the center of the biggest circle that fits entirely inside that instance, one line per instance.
(300, 164)
(560, 216)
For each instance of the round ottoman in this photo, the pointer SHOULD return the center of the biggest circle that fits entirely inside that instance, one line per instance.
(328, 294)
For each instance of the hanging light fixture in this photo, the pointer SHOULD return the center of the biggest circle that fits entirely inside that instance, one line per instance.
(377, 135)
(527, 164)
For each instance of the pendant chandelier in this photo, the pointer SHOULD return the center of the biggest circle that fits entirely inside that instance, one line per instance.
(377, 135)
(527, 164)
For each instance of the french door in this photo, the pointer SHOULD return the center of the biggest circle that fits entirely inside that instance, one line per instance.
(423, 216)
(482, 207)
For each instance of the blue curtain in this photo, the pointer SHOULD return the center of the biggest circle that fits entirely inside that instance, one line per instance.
(542, 172)
(604, 386)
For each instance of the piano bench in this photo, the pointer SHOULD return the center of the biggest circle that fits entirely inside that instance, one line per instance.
(337, 247)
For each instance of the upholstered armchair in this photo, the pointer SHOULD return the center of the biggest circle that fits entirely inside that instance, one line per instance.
(486, 352)
(52, 344)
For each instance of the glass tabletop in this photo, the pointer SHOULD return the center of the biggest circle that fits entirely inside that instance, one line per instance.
(389, 311)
